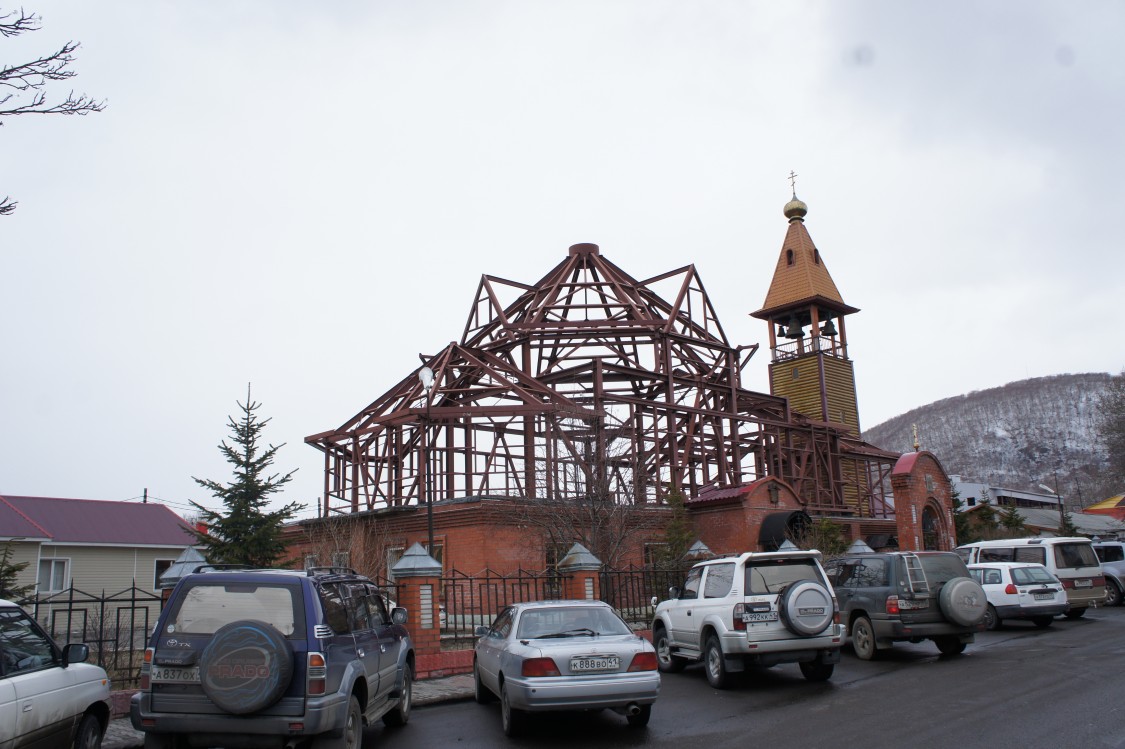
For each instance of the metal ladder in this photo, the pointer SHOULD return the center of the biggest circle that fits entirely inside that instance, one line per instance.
(915, 575)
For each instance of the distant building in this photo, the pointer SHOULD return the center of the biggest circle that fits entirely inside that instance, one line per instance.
(973, 493)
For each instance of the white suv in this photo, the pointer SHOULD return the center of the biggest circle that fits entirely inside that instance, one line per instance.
(759, 608)
(48, 696)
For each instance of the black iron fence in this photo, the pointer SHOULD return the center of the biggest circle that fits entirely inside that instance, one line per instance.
(473, 600)
(114, 626)
(631, 590)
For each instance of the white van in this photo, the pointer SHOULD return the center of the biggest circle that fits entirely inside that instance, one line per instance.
(1072, 560)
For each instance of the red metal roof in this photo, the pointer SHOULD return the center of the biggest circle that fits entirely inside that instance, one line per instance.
(91, 521)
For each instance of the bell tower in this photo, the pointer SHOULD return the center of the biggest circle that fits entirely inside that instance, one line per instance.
(809, 361)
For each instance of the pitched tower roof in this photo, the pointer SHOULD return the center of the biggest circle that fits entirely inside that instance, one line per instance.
(801, 277)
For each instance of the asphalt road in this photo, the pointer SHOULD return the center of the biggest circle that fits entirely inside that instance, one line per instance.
(1020, 687)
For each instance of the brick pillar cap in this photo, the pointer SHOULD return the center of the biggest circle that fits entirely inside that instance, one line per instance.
(579, 558)
(417, 562)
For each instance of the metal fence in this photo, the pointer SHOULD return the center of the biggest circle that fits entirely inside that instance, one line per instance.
(114, 626)
(631, 590)
(474, 600)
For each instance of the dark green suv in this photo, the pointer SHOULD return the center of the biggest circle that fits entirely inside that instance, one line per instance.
(273, 658)
(907, 596)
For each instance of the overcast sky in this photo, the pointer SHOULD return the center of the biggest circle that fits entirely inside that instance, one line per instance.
(303, 196)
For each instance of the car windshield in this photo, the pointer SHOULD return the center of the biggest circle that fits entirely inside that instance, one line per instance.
(941, 568)
(1077, 554)
(206, 607)
(570, 621)
(1030, 575)
(771, 575)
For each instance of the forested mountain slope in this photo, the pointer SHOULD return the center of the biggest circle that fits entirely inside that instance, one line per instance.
(1016, 436)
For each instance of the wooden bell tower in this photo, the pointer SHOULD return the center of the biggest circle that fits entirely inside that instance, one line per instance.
(808, 337)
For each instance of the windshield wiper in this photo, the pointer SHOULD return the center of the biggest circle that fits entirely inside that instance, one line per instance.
(584, 632)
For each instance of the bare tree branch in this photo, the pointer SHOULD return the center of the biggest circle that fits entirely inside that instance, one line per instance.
(24, 83)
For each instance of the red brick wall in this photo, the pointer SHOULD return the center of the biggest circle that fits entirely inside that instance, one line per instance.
(919, 482)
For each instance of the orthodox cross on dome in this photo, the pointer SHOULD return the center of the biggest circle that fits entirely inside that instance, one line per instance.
(793, 182)
(917, 444)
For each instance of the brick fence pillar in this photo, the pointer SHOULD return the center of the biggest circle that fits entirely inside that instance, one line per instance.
(581, 569)
(419, 577)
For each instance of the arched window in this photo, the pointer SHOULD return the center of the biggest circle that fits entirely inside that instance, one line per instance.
(931, 529)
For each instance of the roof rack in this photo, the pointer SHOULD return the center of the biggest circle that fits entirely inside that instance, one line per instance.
(221, 567)
(314, 571)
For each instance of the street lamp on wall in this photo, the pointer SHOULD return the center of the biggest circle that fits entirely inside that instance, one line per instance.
(1058, 499)
(426, 378)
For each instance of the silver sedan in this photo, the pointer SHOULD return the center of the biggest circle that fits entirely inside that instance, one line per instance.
(564, 655)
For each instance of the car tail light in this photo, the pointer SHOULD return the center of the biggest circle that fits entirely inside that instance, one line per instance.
(146, 669)
(1099, 581)
(317, 671)
(540, 667)
(739, 624)
(1010, 589)
(892, 605)
(643, 662)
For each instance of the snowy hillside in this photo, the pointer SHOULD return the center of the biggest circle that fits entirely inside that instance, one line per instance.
(1015, 436)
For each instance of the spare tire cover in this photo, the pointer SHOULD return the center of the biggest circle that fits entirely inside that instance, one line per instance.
(247, 666)
(806, 608)
(963, 601)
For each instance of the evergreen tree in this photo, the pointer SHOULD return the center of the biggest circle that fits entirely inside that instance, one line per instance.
(9, 588)
(678, 533)
(246, 533)
(962, 526)
(1012, 522)
(1066, 525)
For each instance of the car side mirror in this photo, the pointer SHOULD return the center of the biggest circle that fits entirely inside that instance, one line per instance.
(673, 592)
(75, 652)
(654, 601)
(398, 615)
(480, 631)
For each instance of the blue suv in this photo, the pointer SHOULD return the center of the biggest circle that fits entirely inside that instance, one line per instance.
(273, 658)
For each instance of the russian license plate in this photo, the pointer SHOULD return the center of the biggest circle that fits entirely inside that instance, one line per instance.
(1044, 596)
(180, 674)
(595, 663)
(1083, 583)
(759, 616)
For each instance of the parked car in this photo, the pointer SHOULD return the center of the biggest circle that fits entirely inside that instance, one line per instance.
(49, 696)
(757, 608)
(1017, 590)
(1111, 554)
(262, 658)
(1071, 559)
(564, 655)
(888, 597)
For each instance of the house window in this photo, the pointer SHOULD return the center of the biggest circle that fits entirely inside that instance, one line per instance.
(161, 566)
(310, 561)
(340, 558)
(789, 257)
(53, 575)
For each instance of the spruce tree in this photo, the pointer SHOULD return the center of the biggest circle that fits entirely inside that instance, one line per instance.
(246, 533)
(9, 588)
(1012, 522)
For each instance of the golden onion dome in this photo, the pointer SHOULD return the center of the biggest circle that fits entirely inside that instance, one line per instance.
(795, 209)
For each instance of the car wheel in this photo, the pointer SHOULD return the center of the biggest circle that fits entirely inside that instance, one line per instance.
(89, 733)
(640, 720)
(949, 645)
(223, 666)
(511, 719)
(962, 601)
(991, 619)
(1076, 613)
(715, 665)
(1043, 621)
(401, 714)
(1112, 593)
(665, 661)
(817, 670)
(352, 735)
(480, 691)
(863, 639)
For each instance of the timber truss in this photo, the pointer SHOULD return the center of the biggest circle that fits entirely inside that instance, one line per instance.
(589, 383)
